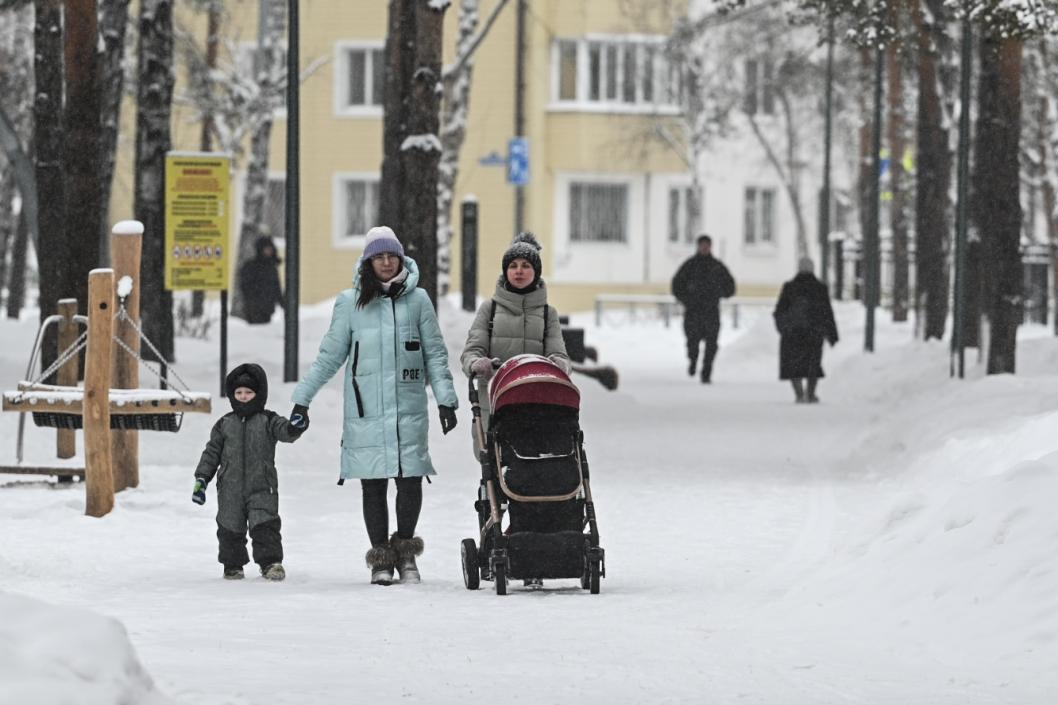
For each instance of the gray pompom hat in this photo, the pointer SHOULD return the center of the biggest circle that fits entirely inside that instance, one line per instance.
(527, 247)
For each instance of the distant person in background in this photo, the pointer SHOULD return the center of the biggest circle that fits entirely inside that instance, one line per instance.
(699, 285)
(259, 282)
(804, 318)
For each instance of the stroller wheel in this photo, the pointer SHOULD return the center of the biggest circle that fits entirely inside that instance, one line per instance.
(594, 578)
(471, 570)
(591, 578)
(500, 576)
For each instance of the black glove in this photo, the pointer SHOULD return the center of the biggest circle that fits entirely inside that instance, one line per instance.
(198, 495)
(448, 418)
(299, 418)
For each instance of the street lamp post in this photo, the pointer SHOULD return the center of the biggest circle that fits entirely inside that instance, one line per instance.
(293, 203)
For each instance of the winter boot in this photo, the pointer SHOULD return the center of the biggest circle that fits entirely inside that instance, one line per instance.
(799, 391)
(274, 572)
(692, 366)
(380, 559)
(406, 550)
(810, 394)
(233, 573)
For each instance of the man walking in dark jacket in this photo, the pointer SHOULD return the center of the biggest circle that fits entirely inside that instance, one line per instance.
(699, 285)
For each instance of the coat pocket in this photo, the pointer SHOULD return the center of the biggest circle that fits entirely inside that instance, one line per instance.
(411, 363)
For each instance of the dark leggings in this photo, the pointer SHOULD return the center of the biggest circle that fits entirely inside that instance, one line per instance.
(376, 507)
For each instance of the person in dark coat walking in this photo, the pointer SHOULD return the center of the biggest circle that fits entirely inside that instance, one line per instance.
(259, 282)
(804, 318)
(241, 454)
(699, 285)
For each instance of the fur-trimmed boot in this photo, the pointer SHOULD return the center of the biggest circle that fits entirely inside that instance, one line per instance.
(407, 550)
(381, 559)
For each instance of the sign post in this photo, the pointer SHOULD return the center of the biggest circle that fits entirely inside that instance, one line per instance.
(197, 229)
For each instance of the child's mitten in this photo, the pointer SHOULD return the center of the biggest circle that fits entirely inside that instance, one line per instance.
(198, 496)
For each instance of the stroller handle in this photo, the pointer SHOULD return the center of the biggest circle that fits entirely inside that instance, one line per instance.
(472, 393)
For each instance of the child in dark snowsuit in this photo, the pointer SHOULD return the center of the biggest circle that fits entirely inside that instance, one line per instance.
(241, 453)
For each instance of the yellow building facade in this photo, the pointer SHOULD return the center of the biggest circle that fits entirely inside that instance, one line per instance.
(603, 200)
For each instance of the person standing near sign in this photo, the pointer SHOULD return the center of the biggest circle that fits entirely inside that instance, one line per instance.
(259, 282)
(699, 285)
(386, 328)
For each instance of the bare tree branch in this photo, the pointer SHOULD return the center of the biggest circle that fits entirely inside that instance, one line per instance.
(450, 72)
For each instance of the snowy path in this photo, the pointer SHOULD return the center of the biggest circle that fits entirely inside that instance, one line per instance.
(725, 511)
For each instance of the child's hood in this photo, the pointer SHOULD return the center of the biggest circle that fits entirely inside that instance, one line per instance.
(248, 375)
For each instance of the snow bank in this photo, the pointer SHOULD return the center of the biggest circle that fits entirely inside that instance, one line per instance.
(52, 654)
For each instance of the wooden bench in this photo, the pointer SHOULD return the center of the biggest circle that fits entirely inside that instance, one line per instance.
(668, 306)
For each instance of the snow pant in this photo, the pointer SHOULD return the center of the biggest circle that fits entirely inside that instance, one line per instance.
(267, 545)
(376, 507)
(699, 329)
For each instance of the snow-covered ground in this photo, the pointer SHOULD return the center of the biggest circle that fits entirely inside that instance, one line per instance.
(894, 544)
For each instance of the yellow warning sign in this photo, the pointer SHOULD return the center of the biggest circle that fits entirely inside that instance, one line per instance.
(197, 220)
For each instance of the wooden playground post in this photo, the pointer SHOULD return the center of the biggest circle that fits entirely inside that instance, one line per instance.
(66, 438)
(125, 247)
(99, 476)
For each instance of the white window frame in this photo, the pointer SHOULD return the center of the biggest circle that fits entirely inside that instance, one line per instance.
(758, 242)
(339, 211)
(764, 91)
(613, 104)
(245, 51)
(341, 78)
(600, 181)
(683, 188)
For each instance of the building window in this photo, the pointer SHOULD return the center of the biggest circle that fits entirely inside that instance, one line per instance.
(598, 212)
(359, 78)
(618, 72)
(760, 95)
(360, 206)
(567, 70)
(681, 214)
(759, 216)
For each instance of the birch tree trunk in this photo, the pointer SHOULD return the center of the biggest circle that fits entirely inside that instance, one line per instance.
(411, 122)
(113, 21)
(455, 107)
(933, 207)
(997, 206)
(1048, 144)
(154, 95)
(269, 68)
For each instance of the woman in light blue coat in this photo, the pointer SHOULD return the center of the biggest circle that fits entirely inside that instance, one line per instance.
(386, 328)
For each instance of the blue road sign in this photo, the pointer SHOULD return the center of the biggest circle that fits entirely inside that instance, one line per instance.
(493, 158)
(518, 161)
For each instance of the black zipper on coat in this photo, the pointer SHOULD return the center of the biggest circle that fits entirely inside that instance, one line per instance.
(396, 383)
(245, 477)
(356, 387)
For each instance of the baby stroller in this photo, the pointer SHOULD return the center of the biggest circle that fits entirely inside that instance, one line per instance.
(533, 468)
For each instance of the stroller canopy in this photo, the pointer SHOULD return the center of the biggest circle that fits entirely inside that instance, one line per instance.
(532, 379)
